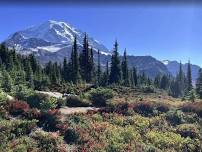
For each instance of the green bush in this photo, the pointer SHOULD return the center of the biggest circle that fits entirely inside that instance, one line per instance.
(3, 105)
(188, 130)
(48, 142)
(75, 101)
(22, 92)
(175, 117)
(165, 141)
(14, 128)
(100, 97)
(148, 89)
(23, 144)
(3, 97)
(42, 101)
(71, 136)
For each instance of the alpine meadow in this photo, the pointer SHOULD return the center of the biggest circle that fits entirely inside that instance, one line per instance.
(61, 90)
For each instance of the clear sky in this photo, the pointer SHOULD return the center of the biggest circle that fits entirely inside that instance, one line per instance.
(171, 32)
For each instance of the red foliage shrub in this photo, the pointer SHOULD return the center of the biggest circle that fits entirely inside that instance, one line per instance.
(18, 107)
(195, 107)
(62, 127)
(53, 111)
(49, 119)
(145, 108)
(32, 114)
(162, 107)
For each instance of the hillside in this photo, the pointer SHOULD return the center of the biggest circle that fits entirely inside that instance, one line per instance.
(173, 68)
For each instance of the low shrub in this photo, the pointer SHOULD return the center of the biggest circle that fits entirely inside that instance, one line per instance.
(3, 97)
(100, 97)
(18, 107)
(15, 128)
(61, 102)
(42, 101)
(144, 108)
(191, 118)
(162, 107)
(22, 92)
(3, 105)
(23, 144)
(75, 101)
(195, 107)
(48, 120)
(71, 136)
(169, 141)
(49, 142)
(32, 114)
(148, 89)
(188, 130)
(175, 117)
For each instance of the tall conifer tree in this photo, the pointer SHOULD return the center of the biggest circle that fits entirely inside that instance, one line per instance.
(124, 66)
(115, 74)
(189, 78)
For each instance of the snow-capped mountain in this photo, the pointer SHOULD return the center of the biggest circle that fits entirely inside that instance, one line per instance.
(50, 36)
(52, 41)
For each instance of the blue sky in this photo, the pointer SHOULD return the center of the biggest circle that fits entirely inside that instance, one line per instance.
(171, 32)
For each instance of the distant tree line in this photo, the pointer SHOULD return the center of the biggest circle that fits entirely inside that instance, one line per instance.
(18, 69)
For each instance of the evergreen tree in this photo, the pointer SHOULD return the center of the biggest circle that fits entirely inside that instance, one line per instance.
(107, 69)
(75, 70)
(131, 78)
(135, 77)
(199, 84)
(7, 82)
(157, 81)
(189, 78)
(174, 89)
(115, 74)
(105, 76)
(98, 68)
(65, 70)
(91, 66)
(29, 76)
(143, 79)
(180, 80)
(164, 83)
(85, 61)
(124, 66)
(33, 63)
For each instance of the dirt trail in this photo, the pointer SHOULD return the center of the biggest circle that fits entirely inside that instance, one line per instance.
(51, 94)
(73, 110)
(65, 111)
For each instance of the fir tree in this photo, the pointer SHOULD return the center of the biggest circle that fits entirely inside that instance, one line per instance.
(98, 68)
(164, 83)
(157, 81)
(85, 61)
(189, 78)
(29, 76)
(174, 89)
(75, 61)
(7, 83)
(180, 81)
(115, 74)
(65, 70)
(199, 84)
(135, 76)
(124, 66)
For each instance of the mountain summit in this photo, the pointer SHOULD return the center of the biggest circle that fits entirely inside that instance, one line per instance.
(50, 36)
